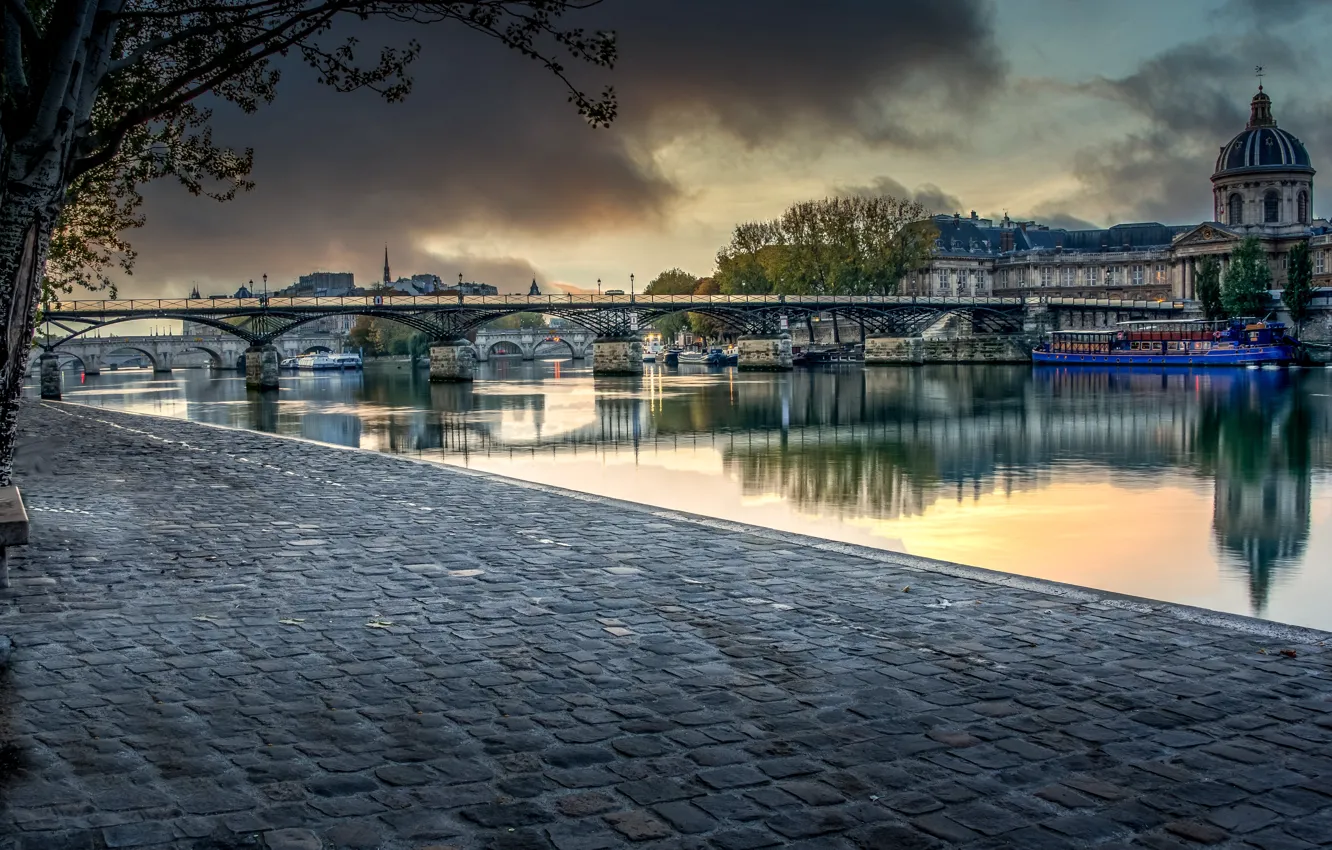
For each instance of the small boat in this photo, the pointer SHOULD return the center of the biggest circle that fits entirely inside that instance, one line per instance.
(291, 363)
(652, 350)
(1182, 342)
(346, 361)
(318, 361)
(811, 357)
(672, 357)
(730, 355)
(692, 358)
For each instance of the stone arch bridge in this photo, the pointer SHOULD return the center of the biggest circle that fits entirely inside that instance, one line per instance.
(451, 322)
(578, 342)
(161, 350)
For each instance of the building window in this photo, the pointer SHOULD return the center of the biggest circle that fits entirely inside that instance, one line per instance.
(1160, 273)
(972, 276)
(1137, 275)
(1089, 276)
(1068, 276)
(1047, 276)
(961, 276)
(1112, 275)
(943, 282)
(1303, 207)
(1236, 214)
(1271, 207)
(1320, 262)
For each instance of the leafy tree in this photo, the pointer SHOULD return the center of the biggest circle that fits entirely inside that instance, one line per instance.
(365, 335)
(834, 246)
(1299, 291)
(1244, 289)
(672, 282)
(701, 324)
(1207, 286)
(99, 96)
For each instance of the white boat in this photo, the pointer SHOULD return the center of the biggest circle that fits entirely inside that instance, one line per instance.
(291, 363)
(346, 361)
(651, 351)
(317, 361)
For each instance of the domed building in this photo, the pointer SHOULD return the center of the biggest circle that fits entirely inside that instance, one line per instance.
(1262, 185)
(1263, 177)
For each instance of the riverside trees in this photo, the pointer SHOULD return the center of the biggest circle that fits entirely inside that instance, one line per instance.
(834, 246)
(1247, 280)
(100, 96)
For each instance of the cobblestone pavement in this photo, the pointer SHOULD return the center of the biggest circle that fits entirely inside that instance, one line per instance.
(226, 639)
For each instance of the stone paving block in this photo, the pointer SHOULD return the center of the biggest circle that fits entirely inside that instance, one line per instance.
(496, 710)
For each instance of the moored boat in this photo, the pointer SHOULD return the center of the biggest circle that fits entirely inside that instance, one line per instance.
(1172, 343)
(316, 361)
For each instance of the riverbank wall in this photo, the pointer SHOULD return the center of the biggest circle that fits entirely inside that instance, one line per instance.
(914, 351)
(226, 638)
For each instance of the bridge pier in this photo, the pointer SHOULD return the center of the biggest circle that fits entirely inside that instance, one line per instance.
(764, 352)
(50, 364)
(452, 361)
(261, 367)
(92, 364)
(161, 362)
(617, 355)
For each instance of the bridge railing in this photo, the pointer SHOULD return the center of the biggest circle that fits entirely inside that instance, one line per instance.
(481, 301)
(537, 303)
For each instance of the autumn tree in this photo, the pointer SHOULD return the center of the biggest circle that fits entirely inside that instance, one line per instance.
(1245, 285)
(834, 246)
(1207, 287)
(98, 97)
(517, 321)
(672, 282)
(701, 324)
(1299, 291)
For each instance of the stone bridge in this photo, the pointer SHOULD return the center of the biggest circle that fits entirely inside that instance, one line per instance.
(528, 341)
(224, 351)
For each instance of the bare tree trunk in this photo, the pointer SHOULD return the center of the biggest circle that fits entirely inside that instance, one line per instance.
(837, 331)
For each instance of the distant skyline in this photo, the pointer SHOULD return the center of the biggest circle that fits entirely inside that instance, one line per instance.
(1072, 113)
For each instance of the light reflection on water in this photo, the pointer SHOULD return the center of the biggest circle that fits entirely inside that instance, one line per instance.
(1209, 488)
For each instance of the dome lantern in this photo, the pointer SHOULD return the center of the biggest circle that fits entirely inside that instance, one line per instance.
(1260, 110)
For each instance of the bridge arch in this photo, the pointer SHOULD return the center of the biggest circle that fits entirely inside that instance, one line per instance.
(215, 358)
(505, 348)
(114, 349)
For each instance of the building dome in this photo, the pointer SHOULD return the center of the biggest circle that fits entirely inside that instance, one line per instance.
(1262, 146)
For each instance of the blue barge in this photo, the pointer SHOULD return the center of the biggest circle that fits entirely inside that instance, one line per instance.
(1173, 343)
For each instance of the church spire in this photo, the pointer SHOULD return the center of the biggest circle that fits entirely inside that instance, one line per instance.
(387, 279)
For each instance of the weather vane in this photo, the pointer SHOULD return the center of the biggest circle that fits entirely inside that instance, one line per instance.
(1258, 72)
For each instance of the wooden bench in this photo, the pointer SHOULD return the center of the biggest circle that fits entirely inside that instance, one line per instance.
(13, 527)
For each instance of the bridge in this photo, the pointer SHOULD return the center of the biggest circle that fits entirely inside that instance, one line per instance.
(529, 341)
(161, 350)
(761, 321)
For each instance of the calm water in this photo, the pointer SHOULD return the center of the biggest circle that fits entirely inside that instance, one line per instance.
(1210, 488)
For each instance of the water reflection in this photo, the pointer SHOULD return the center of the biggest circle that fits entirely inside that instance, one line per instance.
(889, 450)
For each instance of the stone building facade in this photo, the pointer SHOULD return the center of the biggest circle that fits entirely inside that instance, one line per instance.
(1262, 185)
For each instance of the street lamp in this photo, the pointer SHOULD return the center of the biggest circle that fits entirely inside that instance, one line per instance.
(265, 286)
(598, 286)
(631, 285)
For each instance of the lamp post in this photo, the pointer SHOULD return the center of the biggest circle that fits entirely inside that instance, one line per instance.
(265, 286)
(631, 285)
(598, 286)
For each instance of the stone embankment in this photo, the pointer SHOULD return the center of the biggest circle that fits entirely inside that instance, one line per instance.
(226, 639)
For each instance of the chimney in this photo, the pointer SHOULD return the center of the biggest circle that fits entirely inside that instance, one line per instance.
(1006, 240)
(974, 217)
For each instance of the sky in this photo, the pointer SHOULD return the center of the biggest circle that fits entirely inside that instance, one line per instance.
(1068, 112)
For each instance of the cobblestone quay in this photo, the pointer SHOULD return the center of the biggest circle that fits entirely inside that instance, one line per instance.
(225, 639)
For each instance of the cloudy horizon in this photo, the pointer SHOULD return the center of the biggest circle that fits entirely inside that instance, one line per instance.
(1067, 113)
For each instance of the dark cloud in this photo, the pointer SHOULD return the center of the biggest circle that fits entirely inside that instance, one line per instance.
(928, 195)
(487, 144)
(1191, 100)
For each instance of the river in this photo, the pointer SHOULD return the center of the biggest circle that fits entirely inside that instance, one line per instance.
(1204, 487)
